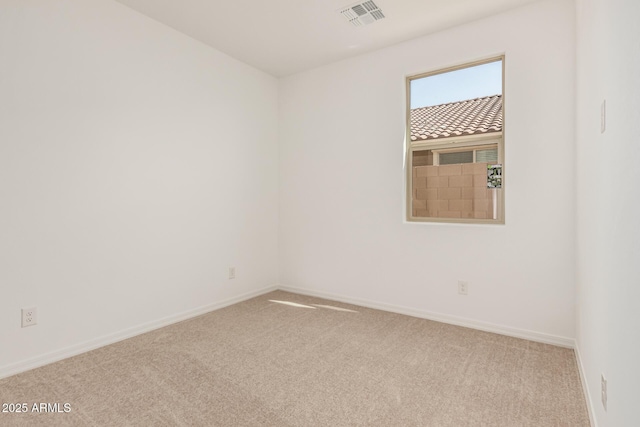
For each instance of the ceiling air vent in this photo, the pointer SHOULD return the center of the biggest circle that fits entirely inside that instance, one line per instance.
(360, 14)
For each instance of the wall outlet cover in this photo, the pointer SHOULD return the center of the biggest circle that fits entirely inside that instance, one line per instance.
(463, 287)
(29, 316)
(603, 391)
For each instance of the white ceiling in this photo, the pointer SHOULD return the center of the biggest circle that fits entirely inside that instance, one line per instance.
(283, 37)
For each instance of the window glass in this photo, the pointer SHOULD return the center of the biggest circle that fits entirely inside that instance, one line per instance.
(455, 147)
(455, 157)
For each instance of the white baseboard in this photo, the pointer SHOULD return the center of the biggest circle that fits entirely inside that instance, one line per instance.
(585, 388)
(35, 362)
(444, 318)
(83, 347)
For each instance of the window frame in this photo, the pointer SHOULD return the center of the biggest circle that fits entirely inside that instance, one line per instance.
(454, 143)
(486, 146)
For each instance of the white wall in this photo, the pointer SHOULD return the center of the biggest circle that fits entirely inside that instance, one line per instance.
(608, 207)
(136, 166)
(342, 181)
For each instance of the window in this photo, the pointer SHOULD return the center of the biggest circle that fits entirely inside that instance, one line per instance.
(455, 146)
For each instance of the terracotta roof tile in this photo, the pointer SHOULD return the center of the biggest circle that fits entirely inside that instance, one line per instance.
(469, 117)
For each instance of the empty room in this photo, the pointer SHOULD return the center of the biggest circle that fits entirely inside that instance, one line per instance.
(319, 213)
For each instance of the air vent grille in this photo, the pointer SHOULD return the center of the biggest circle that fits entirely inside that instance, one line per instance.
(359, 10)
(377, 15)
(360, 14)
(369, 5)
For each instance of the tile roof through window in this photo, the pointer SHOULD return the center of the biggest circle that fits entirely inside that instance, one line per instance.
(462, 118)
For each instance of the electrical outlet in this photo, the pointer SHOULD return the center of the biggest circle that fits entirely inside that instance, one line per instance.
(463, 287)
(232, 272)
(29, 316)
(603, 391)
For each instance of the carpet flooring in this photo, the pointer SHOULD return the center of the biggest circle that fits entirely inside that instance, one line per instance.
(283, 359)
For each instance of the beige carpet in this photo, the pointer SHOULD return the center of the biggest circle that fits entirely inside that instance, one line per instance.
(265, 362)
